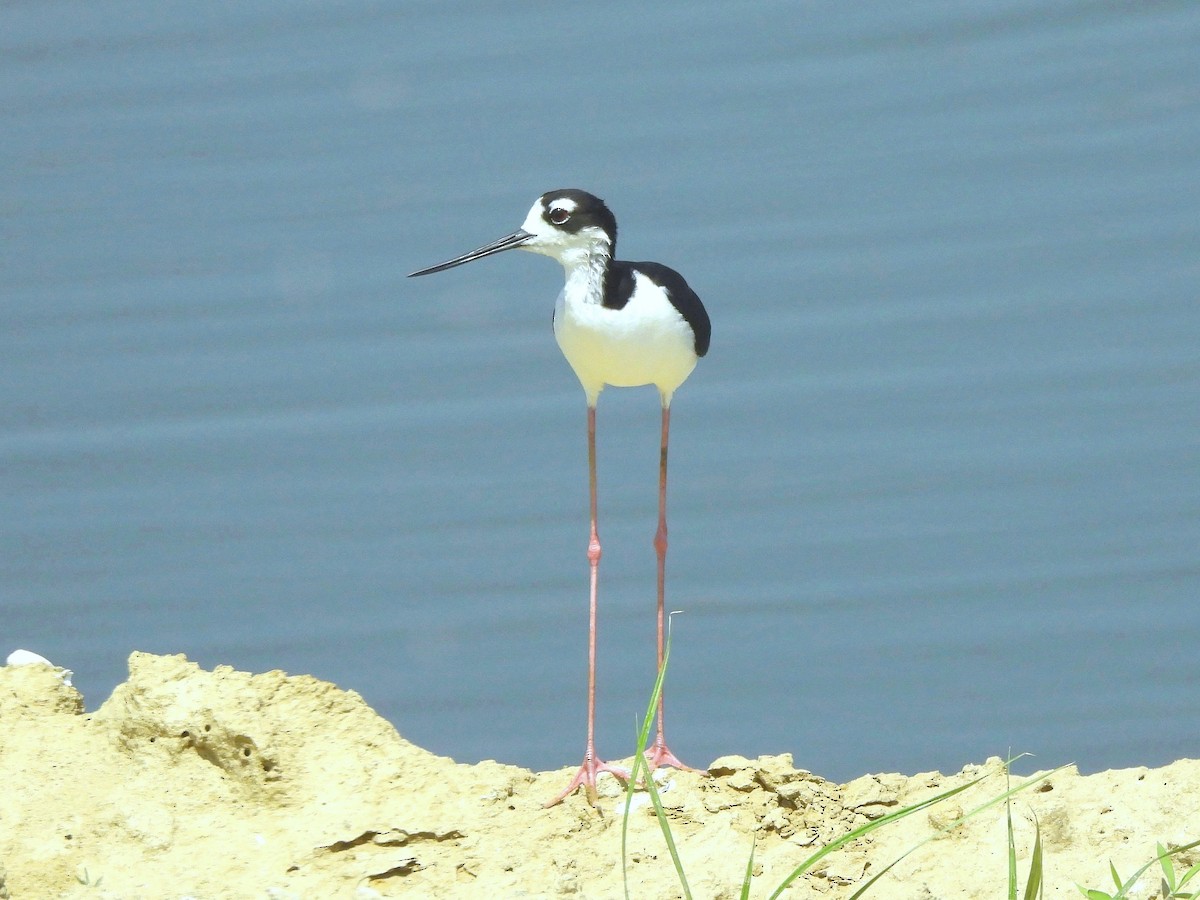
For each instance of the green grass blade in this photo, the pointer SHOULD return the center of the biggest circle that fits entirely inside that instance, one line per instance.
(883, 821)
(1168, 869)
(866, 886)
(907, 811)
(1189, 875)
(1033, 887)
(874, 878)
(1124, 886)
(863, 830)
(1012, 843)
(640, 768)
(1168, 866)
(666, 829)
(745, 894)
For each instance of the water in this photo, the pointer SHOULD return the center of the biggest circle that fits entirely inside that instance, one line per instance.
(935, 492)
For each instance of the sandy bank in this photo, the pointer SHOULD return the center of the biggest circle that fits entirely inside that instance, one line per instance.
(189, 783)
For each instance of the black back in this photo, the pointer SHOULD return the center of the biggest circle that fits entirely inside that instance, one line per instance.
(619, 284)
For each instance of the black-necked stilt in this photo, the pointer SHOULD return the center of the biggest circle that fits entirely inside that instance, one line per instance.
(618, 323)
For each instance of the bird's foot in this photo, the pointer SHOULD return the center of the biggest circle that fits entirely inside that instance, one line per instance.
(660, 755)
(586, 778)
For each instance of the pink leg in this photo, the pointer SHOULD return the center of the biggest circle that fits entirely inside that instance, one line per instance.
(659, 754)
(592, 764)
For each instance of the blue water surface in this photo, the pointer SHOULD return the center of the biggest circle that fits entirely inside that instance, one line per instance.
(935, 492)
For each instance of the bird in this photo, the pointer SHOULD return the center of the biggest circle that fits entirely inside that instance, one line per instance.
(619, 324)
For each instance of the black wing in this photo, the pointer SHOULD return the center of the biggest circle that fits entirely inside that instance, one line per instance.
(619, 287)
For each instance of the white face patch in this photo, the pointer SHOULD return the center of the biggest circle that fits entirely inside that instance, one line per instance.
(535, 224)
(570, 248)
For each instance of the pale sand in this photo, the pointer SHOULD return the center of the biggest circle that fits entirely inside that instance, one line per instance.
(222, 784)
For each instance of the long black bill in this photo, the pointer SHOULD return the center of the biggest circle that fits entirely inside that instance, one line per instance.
(508, 242)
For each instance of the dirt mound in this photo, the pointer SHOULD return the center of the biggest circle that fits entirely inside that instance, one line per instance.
(189, 783)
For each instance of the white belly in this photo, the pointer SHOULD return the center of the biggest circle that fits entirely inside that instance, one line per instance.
(646, 342)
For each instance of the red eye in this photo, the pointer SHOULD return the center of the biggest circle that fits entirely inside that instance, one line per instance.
(558, 215)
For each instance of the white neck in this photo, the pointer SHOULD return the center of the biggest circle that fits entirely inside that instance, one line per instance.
(585, 274)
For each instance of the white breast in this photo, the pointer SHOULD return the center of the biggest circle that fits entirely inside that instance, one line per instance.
(645, 342)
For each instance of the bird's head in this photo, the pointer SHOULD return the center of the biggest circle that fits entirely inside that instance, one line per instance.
(569, 225)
